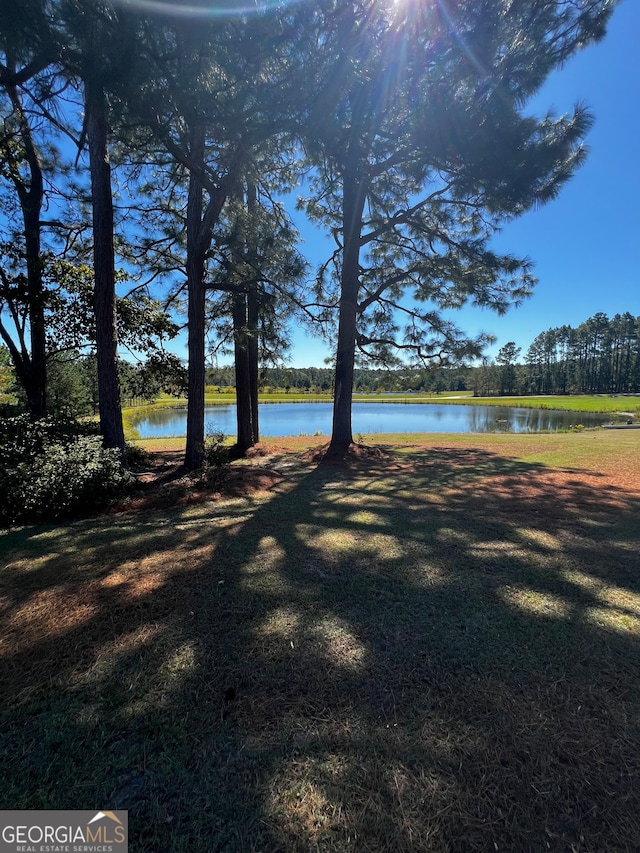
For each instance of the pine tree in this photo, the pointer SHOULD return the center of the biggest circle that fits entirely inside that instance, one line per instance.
(421, 149)
(99, 41)
(212, 92)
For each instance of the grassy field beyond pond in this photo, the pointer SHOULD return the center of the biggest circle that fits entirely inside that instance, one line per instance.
(603, 403)
(434, 648)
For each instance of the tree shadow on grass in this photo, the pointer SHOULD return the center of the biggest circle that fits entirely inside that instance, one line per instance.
(433, 652)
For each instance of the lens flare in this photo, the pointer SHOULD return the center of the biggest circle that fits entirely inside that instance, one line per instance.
(206, 8)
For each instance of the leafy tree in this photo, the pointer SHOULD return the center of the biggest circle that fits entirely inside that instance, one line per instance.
(421, 149)
(69, 393)
(27, 52)
(142, 325)
(7, 375)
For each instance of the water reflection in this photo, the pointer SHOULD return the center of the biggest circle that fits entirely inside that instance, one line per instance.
(280, 419)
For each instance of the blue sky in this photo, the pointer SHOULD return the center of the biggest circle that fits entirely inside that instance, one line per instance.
(585, 244)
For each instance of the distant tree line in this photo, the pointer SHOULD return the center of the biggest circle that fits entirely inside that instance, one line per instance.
(366, 380)
(600, 356)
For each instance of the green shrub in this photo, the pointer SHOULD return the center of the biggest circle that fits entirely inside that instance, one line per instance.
(53, 468)
(216, 455)
(21, 434)
(215, 460)
(137, 457)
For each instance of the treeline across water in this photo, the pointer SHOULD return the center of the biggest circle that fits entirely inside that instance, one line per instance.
(600, 356)
(319, 380)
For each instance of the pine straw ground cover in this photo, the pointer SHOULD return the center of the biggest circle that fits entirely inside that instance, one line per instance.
(431, 648)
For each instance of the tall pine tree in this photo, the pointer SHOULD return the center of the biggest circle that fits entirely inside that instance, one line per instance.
(421, 148)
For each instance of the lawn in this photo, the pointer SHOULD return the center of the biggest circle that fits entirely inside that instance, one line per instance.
(432, 648)
(603, 403)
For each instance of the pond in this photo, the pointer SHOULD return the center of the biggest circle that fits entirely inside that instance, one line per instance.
(280, 419)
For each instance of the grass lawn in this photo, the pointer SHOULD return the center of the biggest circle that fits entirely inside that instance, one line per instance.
(614, 403)
(435, 648)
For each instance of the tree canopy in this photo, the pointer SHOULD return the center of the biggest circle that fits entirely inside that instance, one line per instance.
(408, 121)
(421, 148)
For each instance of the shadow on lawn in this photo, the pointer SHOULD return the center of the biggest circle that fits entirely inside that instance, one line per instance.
(437, 652)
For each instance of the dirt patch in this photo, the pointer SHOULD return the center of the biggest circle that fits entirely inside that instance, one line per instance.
(165, 482)
(259, 451)
(355, 453)
(248, 480)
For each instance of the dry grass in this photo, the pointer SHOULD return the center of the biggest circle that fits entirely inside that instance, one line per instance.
(432, 648)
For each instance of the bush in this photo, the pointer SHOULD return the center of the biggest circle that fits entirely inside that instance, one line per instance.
(215, 455)
(137, 457)
(52, 468)
(215, 461)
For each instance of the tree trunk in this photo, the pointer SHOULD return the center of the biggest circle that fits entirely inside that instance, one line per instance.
(200, 225)
(341, 434)
(31, 367)
(37, 388)
(104, 271)
(252, 353)
(253, 312)
(245, 334)
(244, 412)
(194, 453)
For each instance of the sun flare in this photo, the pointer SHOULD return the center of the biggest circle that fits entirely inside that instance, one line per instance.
(206, 8)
